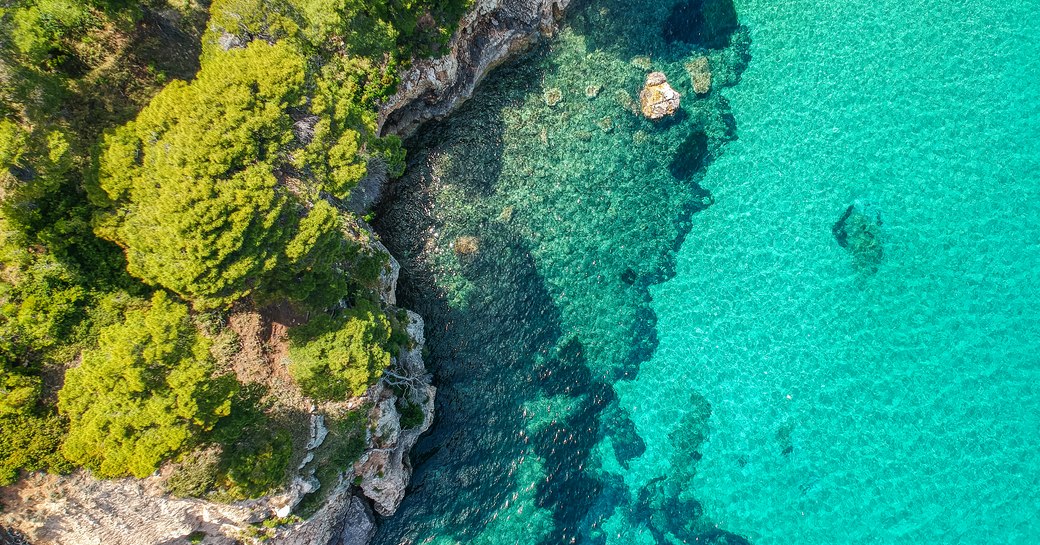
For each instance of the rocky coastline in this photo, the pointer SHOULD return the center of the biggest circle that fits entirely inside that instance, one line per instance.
(492, 32)
(81, 510)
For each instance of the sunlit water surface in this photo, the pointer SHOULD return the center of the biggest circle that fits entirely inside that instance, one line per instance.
(779, 386)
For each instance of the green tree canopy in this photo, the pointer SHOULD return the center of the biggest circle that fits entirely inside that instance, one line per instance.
(144, 394)
(31, 443)
(18, 391)
(214, 196)
(196, 201)
(333, 358)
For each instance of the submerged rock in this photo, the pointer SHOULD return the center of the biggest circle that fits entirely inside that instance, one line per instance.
(706, 23)
(859, 231)
(657, 99)
(552, 96)
(624, 437)
(721, 537)
(700, 75)
(466, 245)
(625, 100)
(641, 62)
(629, 276)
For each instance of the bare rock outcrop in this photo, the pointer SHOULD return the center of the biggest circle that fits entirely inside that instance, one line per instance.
(492, 32)
(385, 469)
(80, 510)
(344, 519)
(388, 276)
(657, 99)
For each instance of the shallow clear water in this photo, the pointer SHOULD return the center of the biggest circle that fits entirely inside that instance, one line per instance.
(779, 386)
(910, 397)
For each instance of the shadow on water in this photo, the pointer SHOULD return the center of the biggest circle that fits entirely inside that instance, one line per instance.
(496, 334)
(704, 23)
(707, 24)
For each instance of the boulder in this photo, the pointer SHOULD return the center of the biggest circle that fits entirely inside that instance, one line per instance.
(657, 99)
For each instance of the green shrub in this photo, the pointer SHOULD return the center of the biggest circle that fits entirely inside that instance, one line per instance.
(43, 31)
(46, 303)
(412, 415)
(346, 441)
(256, 463)
(195, 475)
(144, 394)
(18, 392)
(31, 443)
(334, 358)
(255, 448)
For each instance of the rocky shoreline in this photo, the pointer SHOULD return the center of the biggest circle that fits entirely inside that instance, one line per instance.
(492, 32)
(81, 510)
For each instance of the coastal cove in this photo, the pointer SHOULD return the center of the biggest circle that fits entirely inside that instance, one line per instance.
(529, 225)
(780, 387)
(519, 272)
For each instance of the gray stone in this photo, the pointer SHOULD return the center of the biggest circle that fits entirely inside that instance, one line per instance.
(490, 33)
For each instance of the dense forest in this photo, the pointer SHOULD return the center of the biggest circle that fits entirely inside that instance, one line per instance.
(162, 167)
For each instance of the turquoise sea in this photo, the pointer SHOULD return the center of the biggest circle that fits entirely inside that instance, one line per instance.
(660, 339)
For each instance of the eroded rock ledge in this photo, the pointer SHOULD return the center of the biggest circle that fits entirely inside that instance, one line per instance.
(492, 32)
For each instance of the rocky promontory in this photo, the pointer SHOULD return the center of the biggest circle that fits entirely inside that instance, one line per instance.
(80, 509)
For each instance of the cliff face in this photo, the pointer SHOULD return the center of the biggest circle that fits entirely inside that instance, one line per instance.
(492, 32)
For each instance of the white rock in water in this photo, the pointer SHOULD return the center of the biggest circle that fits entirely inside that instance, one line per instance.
(658, 99)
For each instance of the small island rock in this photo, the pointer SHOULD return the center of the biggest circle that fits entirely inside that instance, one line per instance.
(658, 99)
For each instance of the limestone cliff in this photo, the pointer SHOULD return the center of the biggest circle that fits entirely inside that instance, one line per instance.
(492, 32)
